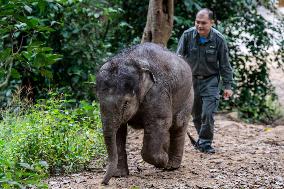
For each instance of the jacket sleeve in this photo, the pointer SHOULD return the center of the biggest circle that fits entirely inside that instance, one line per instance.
(226, 70)
(181, 45)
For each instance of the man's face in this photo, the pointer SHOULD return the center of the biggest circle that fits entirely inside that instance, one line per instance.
(203, 24)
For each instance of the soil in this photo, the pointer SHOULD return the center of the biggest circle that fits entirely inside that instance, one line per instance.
(248, 156)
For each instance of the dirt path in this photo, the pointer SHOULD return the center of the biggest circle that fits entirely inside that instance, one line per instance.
(248, 156)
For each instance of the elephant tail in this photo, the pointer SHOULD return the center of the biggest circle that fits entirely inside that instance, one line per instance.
(192, 140)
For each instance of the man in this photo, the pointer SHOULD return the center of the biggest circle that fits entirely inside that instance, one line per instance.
(206, 51)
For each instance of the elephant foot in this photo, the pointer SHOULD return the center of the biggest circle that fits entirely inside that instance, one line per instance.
(159, 160)
(172, 165)
(123, 172)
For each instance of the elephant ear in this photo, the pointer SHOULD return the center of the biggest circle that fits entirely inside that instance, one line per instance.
(147, 78)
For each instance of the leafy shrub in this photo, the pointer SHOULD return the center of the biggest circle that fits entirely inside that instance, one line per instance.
(66, 138)
(35, 35)
(85, 41)
(22, 175)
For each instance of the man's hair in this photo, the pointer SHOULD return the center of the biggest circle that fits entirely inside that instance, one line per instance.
(209, 12)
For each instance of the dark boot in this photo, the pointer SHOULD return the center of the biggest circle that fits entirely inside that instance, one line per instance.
(204, 147)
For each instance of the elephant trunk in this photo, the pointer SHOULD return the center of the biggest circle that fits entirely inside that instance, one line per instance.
(110, 141)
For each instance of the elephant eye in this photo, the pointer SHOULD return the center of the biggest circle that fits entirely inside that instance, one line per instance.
(105, 86)
(128, 85)
(125, 105)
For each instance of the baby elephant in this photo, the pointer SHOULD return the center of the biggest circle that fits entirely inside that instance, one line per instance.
(150, 88)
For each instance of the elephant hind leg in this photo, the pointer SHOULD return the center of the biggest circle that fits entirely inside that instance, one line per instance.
(156, 144)
(177, 139)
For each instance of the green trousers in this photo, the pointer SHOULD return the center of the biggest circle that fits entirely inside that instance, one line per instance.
(206, 101)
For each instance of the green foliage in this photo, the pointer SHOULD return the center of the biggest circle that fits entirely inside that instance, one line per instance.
(54, 44)
(183, 19)
(131, 23)
(22, 175)
(84, 40)
(25, 56)
(66, 138)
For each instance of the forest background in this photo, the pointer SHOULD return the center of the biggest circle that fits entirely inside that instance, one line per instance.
(50, 51)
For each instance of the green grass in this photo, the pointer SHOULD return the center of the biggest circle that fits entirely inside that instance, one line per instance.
(50, 137)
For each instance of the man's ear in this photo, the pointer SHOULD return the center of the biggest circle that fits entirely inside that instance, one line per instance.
(212, 22)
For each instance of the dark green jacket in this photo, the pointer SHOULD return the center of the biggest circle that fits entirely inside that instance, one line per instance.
(206, 59)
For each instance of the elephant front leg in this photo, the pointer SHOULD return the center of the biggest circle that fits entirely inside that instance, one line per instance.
(122, 167)
(156, 143)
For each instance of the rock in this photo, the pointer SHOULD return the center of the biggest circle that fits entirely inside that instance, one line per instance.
(233, 116)
(279, 121)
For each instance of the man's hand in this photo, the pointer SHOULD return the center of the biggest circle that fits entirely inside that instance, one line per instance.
(227, 94)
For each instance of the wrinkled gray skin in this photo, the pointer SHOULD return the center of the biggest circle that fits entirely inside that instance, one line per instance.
(150, 88)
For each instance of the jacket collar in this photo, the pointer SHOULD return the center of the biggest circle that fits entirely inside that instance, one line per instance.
(210, 36)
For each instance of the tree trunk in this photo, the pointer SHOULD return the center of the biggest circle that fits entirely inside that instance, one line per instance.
(9, 61)
(281, 3)
(159, 22)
